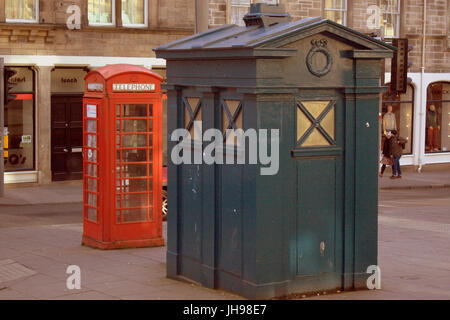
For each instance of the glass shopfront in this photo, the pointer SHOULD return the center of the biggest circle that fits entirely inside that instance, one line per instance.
(19, 131)
(438, 118)
(397, 114)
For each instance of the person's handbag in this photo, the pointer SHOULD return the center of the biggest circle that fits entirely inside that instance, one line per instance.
(387, 161)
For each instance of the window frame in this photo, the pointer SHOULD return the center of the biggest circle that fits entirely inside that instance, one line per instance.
(397, 20)
(131, 25)
(104, 24)
(344, 11)
(36, 11)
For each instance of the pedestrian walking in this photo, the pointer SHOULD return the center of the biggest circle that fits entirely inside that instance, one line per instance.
(397, 144)
(386, 160)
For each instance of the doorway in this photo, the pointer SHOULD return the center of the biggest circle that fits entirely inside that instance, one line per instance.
(67, 137)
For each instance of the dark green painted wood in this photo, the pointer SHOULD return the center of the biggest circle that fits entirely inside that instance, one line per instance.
(316, 216)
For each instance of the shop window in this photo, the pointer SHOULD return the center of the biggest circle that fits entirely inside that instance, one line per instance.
(438, 118)
(134, 13)
(239, 8)
(19, 139)
(315, 123)
(21, 10)
(390, 17)
(397, 114)
(336, 10)
(101, 12)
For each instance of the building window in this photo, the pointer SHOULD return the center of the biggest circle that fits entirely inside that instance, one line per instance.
(21, 10)
(101, 12)
(134, 13)
(438, 118)
(336, 10)
(19, 138)
(239, 8)
(397, 114)
(390, 18)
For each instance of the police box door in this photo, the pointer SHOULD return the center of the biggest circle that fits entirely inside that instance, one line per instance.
(319, 162)
(67, 137)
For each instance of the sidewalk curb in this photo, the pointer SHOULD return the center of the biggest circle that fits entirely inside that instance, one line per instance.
(435, 186)
(38, 204)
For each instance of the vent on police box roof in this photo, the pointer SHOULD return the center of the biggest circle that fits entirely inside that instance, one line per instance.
(264, 15)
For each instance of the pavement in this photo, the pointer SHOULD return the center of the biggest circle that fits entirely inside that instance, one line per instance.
(41, 229)
(55, 193)
(71, 191)
(416, 180)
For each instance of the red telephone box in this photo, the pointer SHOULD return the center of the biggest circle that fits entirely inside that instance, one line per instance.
(122, 171)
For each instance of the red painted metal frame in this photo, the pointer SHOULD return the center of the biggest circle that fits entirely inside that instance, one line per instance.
(107, 232)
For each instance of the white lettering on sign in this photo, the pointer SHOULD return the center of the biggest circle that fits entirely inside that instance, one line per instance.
(133, 86)
(95, 86)
(91, 111)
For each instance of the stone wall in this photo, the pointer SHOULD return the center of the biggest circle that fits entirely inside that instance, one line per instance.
(168, 20)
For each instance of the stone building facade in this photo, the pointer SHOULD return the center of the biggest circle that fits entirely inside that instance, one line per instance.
(52, 57)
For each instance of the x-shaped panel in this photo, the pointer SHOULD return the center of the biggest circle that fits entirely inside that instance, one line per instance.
(191, 113)
(315, 122)
(231, 118)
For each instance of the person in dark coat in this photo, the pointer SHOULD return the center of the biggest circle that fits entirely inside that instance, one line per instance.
(397, 144)
(386, 160)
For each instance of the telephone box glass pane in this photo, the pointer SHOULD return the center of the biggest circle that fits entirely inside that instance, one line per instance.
(92, 185)
(92, 141)
(135, 155)
(92, 214)
(91, 170)
(92, 155)
(134, 140)
(134, 215)
(136, 125)
(92, 199)
(92, 126)
(132, 200)
(132, 170)
(134, 110)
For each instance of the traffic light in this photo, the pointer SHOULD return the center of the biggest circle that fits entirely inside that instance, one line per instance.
(400, 65)
(8, 86)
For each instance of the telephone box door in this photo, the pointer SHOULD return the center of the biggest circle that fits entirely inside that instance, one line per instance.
(138, 186)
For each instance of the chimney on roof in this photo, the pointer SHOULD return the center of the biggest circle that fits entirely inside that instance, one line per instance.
(264, 15)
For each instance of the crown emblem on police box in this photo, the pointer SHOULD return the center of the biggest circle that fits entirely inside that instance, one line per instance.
(319, 60)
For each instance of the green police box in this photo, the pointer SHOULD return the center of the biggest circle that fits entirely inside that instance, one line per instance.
(312, 226)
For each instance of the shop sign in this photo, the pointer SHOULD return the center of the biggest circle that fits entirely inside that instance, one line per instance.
(68, 80)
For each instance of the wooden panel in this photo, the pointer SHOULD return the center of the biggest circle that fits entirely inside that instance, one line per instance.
(191, 217)
(231, 220)
(316, 216)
